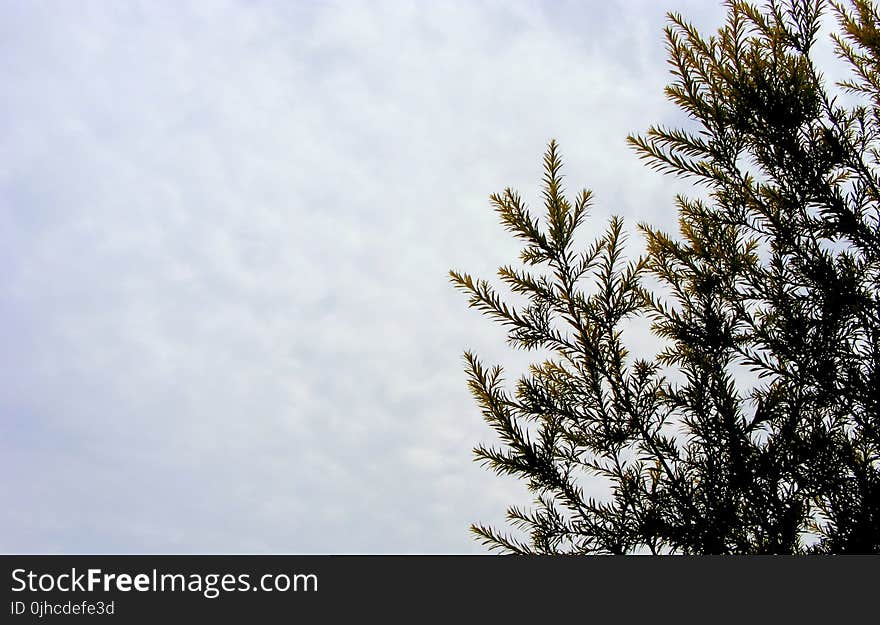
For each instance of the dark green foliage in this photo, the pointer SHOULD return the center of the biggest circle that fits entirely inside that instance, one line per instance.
(773, 278)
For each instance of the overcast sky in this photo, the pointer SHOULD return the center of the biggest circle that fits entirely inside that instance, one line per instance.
(225, 229)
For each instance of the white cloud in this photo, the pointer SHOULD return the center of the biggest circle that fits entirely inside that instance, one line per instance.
(224, 235)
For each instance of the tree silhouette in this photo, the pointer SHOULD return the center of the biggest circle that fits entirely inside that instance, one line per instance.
(773, 277)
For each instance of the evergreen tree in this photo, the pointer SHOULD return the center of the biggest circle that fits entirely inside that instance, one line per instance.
(774, 275)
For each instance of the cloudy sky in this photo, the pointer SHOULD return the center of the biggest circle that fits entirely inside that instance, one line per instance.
(225, 229)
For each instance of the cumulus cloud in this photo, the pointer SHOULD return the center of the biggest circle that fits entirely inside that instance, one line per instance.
(224, 235)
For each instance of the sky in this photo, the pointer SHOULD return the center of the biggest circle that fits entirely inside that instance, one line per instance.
(225, 231)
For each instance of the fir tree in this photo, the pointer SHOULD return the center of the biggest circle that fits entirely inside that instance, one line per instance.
(774, 274)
